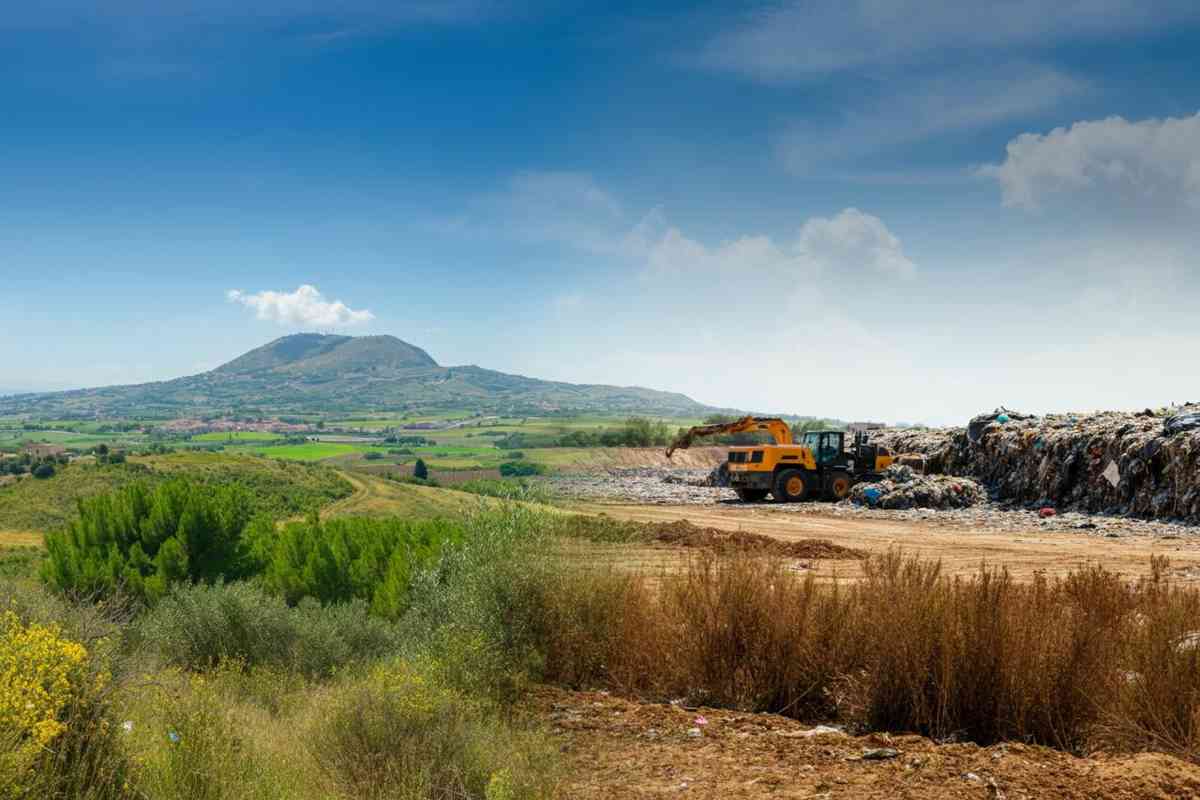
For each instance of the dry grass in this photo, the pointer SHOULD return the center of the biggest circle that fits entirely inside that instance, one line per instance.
(1082, 661)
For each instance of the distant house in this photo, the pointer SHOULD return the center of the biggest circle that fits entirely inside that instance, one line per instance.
(45, 450)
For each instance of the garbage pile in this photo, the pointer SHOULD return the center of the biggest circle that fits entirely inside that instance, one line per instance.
(903, 488)
(1144, 464)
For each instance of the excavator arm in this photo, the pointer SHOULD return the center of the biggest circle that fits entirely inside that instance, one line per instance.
(778, 429)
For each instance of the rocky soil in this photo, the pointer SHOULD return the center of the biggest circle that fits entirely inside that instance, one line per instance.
(619, 749)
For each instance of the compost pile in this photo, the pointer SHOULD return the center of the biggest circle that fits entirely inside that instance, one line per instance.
(903, 488)
(1143, 464)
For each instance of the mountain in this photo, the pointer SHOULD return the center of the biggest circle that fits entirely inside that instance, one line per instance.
(309, 372)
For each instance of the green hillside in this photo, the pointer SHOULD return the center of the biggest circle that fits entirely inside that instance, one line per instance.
(307, 373)
(279, 487)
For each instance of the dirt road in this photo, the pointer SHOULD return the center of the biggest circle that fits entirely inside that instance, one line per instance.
(961, 549)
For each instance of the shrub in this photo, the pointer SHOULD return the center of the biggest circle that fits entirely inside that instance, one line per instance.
(193, 750)
(200, 627)
(40, 672)
(520, 469)
(352, 558)
(55, 739)
(401, 734)
(420, 470)
(43, 470)
(507, 489)
(140, 540)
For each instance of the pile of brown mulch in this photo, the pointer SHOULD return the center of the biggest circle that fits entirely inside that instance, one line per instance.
(684, 534)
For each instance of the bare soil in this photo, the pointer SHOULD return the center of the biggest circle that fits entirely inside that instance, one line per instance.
(962, 547)
(617, 748)
(682, 533)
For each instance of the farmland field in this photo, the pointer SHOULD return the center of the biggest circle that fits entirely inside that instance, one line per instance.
(237, 436)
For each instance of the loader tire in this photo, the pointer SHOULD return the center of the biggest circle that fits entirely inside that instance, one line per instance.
(792, 486)
(751, 495)
(839, 485)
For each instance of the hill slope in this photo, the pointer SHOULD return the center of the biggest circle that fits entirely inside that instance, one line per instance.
(314, 372)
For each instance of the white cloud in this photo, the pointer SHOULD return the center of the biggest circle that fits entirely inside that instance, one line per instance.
(1154, 163)
(305, 307)
(573, 210)
(923, 108)
(851, 242)
(799, 39)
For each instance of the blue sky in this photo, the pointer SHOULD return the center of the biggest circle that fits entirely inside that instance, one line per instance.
(907, 210)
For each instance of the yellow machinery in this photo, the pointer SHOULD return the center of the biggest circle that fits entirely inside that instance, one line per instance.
(818, 466)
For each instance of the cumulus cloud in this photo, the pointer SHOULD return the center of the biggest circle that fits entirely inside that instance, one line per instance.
(799, 39)
(854, 241)
(1152, 163)
(305, 307)
(571, 209)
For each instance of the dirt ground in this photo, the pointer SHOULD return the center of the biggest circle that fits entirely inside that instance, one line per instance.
(618, 749)
(960, 547)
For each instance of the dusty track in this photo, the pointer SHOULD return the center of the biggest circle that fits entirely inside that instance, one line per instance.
(961, 549)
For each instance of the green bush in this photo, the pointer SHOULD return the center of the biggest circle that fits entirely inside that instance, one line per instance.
(420, 470)
(199, 627)
(521, 469)
(352, 558)
(141, 540)
(401, 734)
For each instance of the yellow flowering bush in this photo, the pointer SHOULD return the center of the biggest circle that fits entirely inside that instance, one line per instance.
(40, 673)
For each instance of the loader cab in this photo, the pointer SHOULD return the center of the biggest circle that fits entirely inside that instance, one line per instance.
(828, 447)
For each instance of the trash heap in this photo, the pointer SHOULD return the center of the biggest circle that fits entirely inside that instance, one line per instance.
(1144, 464)
(903, 488)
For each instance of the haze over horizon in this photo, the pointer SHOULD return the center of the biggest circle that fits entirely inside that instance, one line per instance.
(912, 211)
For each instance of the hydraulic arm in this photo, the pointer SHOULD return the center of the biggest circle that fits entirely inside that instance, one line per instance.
(777, 428)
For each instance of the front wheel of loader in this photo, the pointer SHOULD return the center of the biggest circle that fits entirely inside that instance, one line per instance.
(839, 485)
(751, 495)
(792, 486)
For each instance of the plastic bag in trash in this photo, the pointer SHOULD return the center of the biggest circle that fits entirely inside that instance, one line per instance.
(1181, 422)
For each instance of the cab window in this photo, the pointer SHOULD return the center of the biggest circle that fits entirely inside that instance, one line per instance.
(756, 457)
(830, 447)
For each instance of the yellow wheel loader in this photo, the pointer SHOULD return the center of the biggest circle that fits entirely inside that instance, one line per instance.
(819, 466)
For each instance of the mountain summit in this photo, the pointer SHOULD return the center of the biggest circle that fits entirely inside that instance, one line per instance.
(314, 352)
(311, 372)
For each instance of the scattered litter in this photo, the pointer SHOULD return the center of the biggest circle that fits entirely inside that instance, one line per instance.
(174, 737)
(972, 777)
(127, 726)
(1046, 513)
(1181, 423)
(694, 733)
(1112, 474)
(822, 730)
(880, 754)
(902, 487)
(701, 720)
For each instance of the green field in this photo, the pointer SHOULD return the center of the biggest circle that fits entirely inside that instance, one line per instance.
(237, 436)
(311, 451)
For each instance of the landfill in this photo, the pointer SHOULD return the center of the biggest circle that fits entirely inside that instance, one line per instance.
(1144, 464)
(902, 488)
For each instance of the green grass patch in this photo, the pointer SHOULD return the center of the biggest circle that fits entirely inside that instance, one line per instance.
(237, 436)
